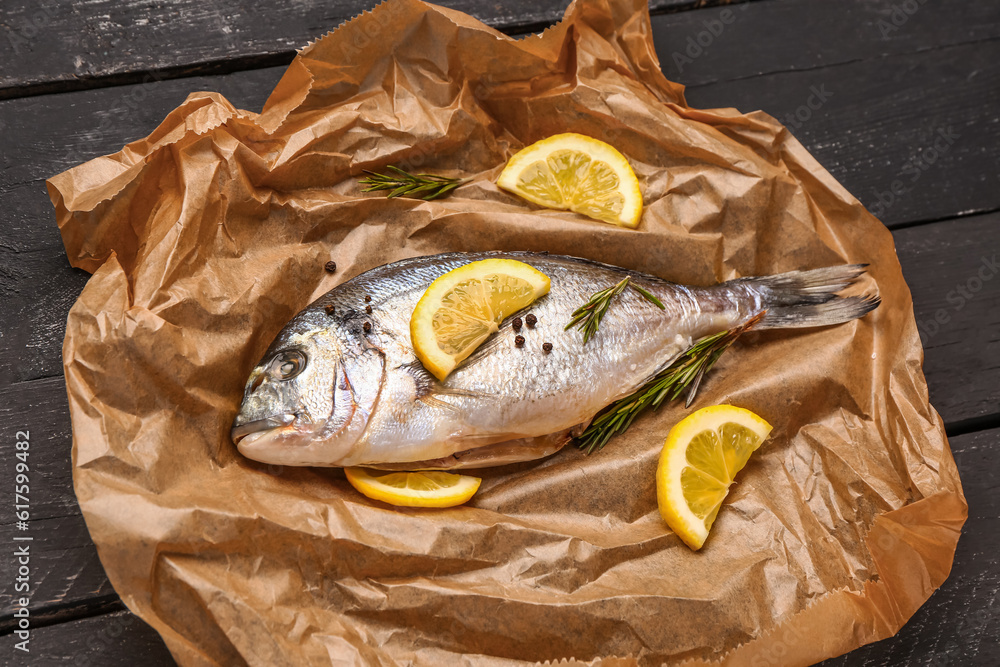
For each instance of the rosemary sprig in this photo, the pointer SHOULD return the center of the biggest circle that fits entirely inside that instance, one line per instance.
(686, 372)
(404, 184)
(590, 314)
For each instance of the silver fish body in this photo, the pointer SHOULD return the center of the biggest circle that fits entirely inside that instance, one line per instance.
(342, 387)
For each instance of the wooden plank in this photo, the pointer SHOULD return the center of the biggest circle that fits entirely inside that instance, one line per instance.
(43, 136)
(119, 639)
(38, 288)
(50, 46)
(953, 273)
(913, 136)
(713, 45)
(64, 568)
(959, 625)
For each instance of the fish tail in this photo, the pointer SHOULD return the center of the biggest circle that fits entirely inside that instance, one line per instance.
(809, 298)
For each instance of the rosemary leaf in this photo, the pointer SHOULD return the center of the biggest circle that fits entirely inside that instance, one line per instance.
(649, 297)
(404, 184)
(590, 314)
(685, 373)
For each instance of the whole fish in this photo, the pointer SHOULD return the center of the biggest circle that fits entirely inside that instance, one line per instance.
(340, 386)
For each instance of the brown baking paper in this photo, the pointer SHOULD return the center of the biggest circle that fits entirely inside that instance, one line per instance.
(206, 237)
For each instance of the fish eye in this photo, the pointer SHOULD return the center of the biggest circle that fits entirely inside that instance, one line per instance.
(287, 364)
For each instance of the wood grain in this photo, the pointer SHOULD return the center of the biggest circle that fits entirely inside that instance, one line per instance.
(65, 569)
(118, 639)
(954, 276)
(38, 288)
(911, 135)
(715, 45)
(48, 46)
(43, 136)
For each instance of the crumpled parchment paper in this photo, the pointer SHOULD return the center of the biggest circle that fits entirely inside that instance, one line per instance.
(208, 235)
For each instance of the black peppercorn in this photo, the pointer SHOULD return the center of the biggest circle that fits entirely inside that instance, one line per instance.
(547, 347)
(519, 341)
(530, 320)
(331, 267)
(329, 309)
(516, 324)
(367, 326)
(368, 299)
(368, 309)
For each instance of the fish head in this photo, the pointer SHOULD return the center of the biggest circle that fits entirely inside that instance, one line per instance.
(309, 399)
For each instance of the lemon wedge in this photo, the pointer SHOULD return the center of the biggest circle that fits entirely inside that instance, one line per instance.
(414, 489)
(579, 173)
(464, 306)
(699, 461)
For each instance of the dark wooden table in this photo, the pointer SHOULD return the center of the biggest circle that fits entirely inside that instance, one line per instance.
(898, 99)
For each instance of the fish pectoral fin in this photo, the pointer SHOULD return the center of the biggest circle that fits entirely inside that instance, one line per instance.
(488, 451)
(481, 439)
(433, 402)
(509, 451)
(455, 391)
(428, 387)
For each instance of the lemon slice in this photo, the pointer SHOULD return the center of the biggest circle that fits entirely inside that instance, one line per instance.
(699, 460)
(578, 173)
(414, 489)
(464, 306)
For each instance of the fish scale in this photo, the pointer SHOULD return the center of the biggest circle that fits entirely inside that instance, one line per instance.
(363, 398)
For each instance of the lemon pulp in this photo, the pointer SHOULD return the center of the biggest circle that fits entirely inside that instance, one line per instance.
(414, 489)
(579, 173)
(459, 310)
(698, 464)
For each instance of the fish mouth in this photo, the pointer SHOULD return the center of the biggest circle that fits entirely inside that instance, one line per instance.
(254, 430)
(281, 440)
